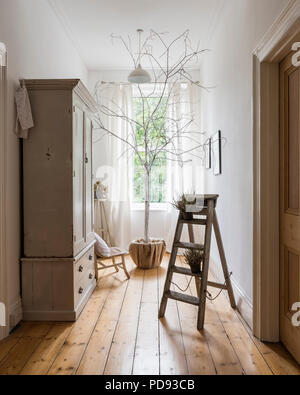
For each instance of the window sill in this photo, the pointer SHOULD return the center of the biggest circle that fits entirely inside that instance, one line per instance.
(153, 207)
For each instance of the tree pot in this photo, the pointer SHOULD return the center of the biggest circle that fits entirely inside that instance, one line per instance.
(195, 268)
(147, 255)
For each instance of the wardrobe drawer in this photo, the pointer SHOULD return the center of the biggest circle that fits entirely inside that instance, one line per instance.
(82, 287)
(84, 275)
(84, 265)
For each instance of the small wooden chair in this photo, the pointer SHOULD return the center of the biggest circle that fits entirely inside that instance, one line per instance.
(115, 254)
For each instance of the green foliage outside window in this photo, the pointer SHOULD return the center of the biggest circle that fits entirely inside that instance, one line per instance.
(156, 134)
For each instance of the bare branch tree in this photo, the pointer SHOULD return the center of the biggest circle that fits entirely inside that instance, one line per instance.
(167, 71)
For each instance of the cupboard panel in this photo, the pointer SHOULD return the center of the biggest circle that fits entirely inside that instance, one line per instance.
(89, 180)
(79, 180)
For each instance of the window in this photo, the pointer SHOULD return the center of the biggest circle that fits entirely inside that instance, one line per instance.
(157, 130)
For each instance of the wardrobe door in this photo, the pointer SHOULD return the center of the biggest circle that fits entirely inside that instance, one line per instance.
(78, 180)
(89, 180)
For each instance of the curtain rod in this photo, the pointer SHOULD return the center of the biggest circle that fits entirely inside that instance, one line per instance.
(150, 83)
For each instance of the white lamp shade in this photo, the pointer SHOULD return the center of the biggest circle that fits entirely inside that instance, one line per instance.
(139, 76)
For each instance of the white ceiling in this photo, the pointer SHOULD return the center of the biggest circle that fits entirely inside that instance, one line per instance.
(90, 23)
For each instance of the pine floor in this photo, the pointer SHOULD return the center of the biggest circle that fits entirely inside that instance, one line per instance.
(119, 333)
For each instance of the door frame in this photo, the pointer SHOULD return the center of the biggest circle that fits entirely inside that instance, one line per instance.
(3, 109)
(273, 48)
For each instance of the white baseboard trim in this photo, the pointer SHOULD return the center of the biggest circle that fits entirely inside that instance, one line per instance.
(4, 332)
(243, 303)
(15, 314)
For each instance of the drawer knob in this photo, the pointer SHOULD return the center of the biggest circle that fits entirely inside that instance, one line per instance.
(80, 290)
(80, 268)
(91, 257)
(91, 276)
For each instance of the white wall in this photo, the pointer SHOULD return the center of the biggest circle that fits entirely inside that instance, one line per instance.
(229, 108)
(37, 48)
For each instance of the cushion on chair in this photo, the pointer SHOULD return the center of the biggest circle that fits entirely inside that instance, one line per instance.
(115, 252)
(101, 248)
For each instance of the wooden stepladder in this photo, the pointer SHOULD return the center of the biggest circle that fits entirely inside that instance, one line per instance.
(208, 218)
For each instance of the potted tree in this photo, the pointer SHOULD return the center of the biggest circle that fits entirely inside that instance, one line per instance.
(155, 138)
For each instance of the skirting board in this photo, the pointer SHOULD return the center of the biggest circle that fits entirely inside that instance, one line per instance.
(15, 314)
(60, 316)
(243, 303)
(4, 332)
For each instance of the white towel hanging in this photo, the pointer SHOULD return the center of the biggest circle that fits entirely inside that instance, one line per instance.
(24, 120)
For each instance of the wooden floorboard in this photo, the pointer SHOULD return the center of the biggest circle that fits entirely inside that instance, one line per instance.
(121, 355)
(276, 356)
(198, 356)
(72, 351)
(172, 354)
(146, 357)
(119, 333)
(223, 354)
(265, 358)
(6, 346)
(97, 351)
(47, 350)
(26, 338)
(250, 358)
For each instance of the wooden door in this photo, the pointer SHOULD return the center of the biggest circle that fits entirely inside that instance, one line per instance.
(290, 203)
(78, 180)
(89, 197)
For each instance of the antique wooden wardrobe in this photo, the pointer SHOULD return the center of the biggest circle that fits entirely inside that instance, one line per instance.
(58, 273)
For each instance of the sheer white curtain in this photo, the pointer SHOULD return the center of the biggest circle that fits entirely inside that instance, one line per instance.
(116, 160)
(184, 177)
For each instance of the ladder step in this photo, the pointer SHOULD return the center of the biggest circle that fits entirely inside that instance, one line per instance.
(182, 298)
(203, 212)
(189, 246)
(216, 285)
(185, 271)
(188, 272)
(194, 221)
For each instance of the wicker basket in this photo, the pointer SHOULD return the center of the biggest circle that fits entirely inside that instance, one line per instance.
(147, 255)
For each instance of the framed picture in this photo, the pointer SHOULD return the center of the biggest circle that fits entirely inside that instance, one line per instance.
(217, 153)
(207, 148)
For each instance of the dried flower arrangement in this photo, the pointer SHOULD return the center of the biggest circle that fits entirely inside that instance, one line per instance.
(194, 259)
(181, 203)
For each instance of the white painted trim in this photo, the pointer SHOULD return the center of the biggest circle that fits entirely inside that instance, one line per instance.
(274, 46)
(243, 303)
(15, 313)
(274, 41)
(3, 267)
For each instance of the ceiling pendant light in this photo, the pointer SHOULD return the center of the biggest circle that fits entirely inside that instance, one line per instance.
(139, 75)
